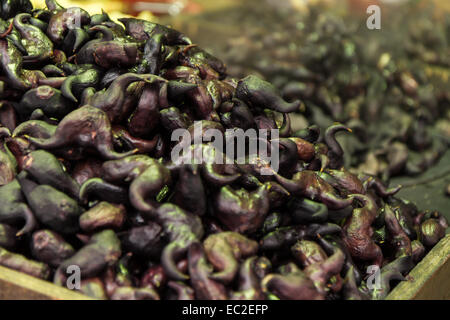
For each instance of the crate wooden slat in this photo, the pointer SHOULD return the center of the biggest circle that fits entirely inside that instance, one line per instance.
(430, 280)
(19, 286)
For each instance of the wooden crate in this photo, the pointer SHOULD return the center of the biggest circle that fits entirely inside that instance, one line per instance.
(430, 279)
(19, 286)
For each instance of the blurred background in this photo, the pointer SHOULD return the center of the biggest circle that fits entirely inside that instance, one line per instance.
(196, 6)
(177, 7)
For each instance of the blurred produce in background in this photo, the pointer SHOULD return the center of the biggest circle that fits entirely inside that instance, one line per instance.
(144, 9)
(115, 8)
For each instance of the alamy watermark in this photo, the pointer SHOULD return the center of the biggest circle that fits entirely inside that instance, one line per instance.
(373, 22)
(73, 281)
(235, 146)
(373, 282)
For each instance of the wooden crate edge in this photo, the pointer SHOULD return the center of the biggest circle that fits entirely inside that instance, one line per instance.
(430, 279)
(16, 285)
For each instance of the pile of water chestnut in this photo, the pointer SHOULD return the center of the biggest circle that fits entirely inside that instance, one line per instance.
(390, 85)
(88, 187)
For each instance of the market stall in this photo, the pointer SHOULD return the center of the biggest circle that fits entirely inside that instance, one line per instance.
(256, 150)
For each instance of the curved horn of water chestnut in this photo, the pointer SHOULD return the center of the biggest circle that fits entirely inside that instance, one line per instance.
(224, 250)
(85, 127)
